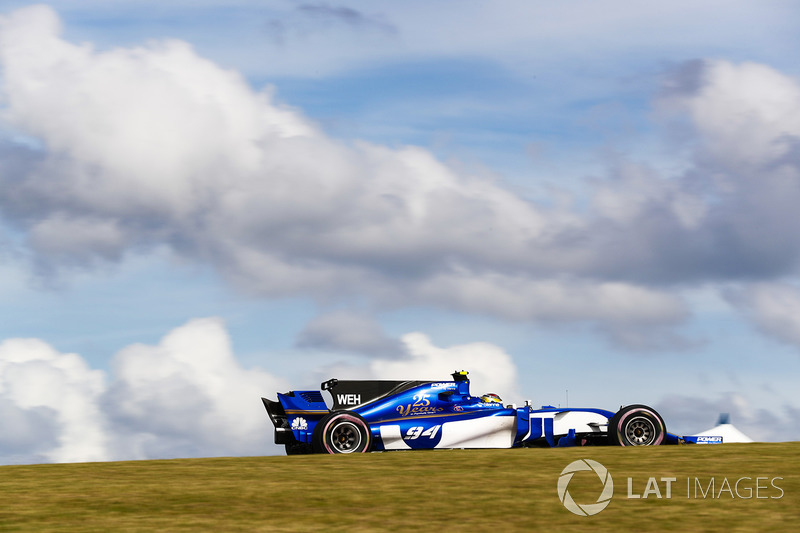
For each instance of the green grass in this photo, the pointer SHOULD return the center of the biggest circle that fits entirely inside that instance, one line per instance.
(455, 490)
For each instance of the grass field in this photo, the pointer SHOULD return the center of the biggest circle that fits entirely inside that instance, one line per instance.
(459, 490)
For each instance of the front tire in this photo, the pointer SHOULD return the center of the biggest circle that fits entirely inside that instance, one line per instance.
(636, 425)
(342, 432)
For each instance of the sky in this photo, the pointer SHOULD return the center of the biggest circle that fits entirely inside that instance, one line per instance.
(201, 203)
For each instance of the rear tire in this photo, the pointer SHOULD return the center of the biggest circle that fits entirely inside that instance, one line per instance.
(636, 425)
(342, 432)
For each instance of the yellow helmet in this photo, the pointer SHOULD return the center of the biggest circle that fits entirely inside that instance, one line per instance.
(491, 397)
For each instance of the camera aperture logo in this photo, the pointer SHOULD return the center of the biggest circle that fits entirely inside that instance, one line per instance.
(587, 509)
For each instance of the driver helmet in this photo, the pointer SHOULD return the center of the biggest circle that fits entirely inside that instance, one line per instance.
(491, 397)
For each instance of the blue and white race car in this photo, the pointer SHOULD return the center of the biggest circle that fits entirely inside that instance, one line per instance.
(411, 415)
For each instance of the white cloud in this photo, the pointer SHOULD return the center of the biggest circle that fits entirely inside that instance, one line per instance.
(154, 146)
(724, 217)
(185, 397)
(53, 395)
(743, 112)
(155, 127)
(189, 397)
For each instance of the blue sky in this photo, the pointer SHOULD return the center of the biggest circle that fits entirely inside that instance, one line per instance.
(205, 202)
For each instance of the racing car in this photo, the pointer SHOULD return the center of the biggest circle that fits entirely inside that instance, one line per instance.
(409, 415)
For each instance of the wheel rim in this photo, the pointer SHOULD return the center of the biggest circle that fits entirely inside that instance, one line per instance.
(345, 437)
(640, 431)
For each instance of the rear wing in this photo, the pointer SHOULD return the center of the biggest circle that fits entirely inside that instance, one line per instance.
(295, 414)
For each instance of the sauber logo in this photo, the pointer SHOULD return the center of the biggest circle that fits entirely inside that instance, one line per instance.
(348, 399)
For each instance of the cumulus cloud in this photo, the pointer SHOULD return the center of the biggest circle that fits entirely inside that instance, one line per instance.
(745, 113)
(154, 145)
(189, 397)
(744, 120)
(52, 402)
(133, 149)
(723, 218)
(185, 397)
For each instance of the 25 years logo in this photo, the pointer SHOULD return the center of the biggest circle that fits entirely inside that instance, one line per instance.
(588, 509)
